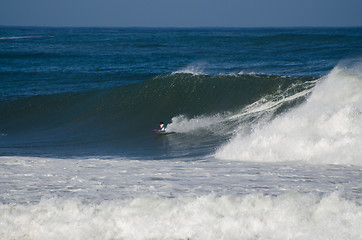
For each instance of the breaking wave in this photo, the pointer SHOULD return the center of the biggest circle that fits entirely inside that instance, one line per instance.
(326, 128)
(127, 114)
(245, 117)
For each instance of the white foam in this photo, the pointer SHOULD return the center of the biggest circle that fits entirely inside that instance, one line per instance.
(254, 216)
(325, 129)
(270, 103)
(225, 123)
(28, 179)
(182, 124)
(118, 198)
(194, 69)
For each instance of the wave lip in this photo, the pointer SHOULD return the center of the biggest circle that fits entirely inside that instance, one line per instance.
(325, 129)
(194, 69)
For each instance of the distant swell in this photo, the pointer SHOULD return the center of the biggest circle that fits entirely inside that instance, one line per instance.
(22, 37)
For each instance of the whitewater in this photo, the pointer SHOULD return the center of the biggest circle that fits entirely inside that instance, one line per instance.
(325, 129)
(280, 185)
(267, 140)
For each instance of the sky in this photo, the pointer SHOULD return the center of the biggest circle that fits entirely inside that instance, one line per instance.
(181, 13)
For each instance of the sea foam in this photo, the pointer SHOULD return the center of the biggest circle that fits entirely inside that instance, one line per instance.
(182, 124)
(194, 69)
(254, 216)
(325, 129)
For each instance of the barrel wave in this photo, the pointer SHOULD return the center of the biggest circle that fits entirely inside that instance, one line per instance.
(113, 121)
(245, 117)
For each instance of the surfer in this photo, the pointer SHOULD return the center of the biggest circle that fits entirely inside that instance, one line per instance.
(162, 130)
(162, 127)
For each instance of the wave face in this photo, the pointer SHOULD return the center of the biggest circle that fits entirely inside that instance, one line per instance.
(245, 117)
(194, 104)
(324, 129)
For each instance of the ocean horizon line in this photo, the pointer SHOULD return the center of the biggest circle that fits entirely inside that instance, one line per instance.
(186, 27)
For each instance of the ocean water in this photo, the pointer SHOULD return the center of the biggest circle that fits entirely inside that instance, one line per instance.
(266, 142)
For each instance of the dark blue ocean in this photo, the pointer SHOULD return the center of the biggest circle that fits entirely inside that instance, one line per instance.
(266, 130)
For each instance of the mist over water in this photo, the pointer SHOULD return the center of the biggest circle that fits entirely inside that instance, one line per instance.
(265, 139)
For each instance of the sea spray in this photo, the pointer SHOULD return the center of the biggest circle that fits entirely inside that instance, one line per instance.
(325, 129)
(229, 121)
(197, 68)
(182, 124)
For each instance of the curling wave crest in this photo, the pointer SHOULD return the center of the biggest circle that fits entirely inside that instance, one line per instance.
(325, 129)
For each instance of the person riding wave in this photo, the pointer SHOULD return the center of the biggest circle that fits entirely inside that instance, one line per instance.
(162, 127)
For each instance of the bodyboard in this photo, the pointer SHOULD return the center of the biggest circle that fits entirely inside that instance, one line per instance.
(160, 132)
